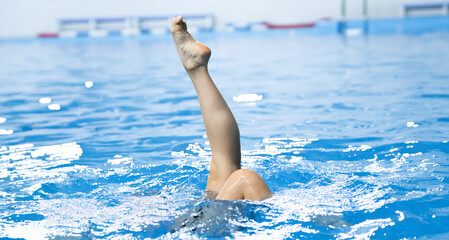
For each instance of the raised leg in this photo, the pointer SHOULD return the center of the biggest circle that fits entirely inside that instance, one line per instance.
(221, 127)
(226, 179)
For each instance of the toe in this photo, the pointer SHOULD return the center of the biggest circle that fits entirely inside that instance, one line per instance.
(177, 24)
(176, 20)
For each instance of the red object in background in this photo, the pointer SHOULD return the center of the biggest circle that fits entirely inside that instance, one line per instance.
(47, 35)
(285, 26)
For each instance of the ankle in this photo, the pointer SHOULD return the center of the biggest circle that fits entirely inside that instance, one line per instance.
(199, 70)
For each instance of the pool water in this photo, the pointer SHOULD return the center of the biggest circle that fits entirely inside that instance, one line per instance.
(103, 138)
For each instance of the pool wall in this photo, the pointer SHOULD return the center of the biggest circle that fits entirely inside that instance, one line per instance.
(28, 18)
(412, 25)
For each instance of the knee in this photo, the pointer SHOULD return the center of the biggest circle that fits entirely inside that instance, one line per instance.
(251, 184)
(245, 176)
(239, 173)
(244, 184)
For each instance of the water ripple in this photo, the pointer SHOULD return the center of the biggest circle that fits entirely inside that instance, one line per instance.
(352, 149)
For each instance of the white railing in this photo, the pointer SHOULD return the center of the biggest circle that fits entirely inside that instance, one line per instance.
(129, 25)
(426, 9)
(348, 30)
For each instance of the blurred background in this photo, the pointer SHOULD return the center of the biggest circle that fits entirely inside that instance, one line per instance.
(56, 18)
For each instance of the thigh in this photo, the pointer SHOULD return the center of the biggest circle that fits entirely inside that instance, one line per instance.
(220, 170)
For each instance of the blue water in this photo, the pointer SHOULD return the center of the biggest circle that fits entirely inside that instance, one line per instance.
(349, 133)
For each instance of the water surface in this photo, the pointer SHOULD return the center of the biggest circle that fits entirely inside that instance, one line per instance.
(349, 133)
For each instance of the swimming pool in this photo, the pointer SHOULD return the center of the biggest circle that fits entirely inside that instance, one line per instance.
(103, 139)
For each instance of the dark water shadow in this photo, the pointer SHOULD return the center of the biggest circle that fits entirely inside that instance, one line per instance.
(212, 218)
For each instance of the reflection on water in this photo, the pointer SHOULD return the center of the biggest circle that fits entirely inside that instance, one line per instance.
(45, 100)
(311, 196)
(88, 84)
(352, 149)
(26, 167)
(54, 106)
(332, 187)
(252, 97)
(6, 132)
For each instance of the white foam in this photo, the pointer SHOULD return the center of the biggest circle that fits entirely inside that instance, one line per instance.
(296, 159)
(366, 229)
(393, 149)
(362, 148)
(303, 200)
(250, 158)
(39, 164)
(118, 159)
(401, 216)
(30, 190)
(282, 231)
(73, 216)
(2, 120)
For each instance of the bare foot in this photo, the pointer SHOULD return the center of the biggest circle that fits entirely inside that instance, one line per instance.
(193, 54)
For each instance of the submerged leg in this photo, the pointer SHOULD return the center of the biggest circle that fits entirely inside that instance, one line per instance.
(221, 127)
